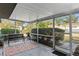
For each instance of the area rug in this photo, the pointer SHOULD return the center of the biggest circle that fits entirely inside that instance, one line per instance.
(13, 50)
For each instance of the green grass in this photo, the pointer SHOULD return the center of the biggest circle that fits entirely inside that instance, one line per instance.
(75, 37)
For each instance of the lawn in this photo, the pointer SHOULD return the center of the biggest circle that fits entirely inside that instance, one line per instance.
(75, 37)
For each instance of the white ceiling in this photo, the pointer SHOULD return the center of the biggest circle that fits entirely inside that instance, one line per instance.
(32, 11)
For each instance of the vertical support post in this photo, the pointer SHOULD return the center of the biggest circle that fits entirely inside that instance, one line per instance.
(21, 26)
(53, 33)
(3, 48)
(21, 31)
(15, 24)
(70, 30)
(15, 27)
(30, 32)
(37, 29)
(37, 32)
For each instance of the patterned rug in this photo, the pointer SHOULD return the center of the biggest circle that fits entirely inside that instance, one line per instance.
(13, 50)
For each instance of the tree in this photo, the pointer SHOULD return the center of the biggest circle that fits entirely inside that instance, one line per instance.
(7, 24)
(44, 24)
(62, 21)
(74, 19)
(65, 22)
(29, 27)
(59, 21)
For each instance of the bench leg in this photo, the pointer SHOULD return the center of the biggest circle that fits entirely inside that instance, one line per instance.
(8, 43)
(23, 40)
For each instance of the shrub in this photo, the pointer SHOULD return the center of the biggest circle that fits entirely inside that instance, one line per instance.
(59, 35)
(9, 31)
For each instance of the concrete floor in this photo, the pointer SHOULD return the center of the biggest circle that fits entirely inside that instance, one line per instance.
(40, 50)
